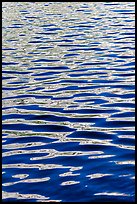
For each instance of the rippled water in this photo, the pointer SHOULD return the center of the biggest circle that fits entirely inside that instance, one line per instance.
(68, 101)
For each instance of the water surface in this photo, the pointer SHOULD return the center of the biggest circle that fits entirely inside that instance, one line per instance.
(68, 101)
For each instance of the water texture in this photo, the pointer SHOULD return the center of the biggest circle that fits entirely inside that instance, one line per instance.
(68, 101)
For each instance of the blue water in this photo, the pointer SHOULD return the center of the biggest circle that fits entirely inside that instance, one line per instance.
(68, 101)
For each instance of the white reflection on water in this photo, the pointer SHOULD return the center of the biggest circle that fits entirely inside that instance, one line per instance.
(97, 175)
(17, 195)
(112, 194)
(35, 180)
(69, 183)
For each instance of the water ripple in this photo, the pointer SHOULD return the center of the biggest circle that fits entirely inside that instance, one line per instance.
(68, 108)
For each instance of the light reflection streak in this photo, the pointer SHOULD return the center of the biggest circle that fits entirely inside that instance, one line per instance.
(17, 195)
(112, 194)
(69, 183)
(97, 175)
(34, 180)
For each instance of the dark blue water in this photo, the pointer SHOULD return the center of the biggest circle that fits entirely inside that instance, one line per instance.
(68, 101)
